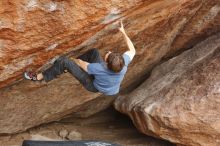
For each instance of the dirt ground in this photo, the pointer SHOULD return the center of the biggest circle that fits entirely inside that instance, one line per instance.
(108, 125)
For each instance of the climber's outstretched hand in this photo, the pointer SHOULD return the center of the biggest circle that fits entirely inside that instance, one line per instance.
(121, 28)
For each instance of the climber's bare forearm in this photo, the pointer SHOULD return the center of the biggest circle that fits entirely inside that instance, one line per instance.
(82, 64)
(129, 43)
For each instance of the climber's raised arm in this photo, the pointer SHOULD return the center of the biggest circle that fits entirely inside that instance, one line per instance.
(131, 52)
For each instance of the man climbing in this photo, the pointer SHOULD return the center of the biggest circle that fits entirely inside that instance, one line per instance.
(94, 73)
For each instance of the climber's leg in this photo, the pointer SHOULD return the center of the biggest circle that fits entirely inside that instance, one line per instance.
(64, 63)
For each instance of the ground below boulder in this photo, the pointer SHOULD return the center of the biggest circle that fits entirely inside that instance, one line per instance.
(108, 125)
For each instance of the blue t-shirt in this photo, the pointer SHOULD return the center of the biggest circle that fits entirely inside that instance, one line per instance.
(107, 81)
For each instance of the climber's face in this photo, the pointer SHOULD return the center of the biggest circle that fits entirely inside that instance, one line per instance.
(107, 54)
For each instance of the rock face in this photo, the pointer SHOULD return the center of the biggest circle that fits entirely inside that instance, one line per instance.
(34, 31)
(180, 100)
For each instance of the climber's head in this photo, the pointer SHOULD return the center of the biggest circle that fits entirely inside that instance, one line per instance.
(115, 61)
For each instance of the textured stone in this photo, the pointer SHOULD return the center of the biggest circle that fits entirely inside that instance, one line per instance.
(180, 100)
(63, 133)
(34, 31)
(74, 135)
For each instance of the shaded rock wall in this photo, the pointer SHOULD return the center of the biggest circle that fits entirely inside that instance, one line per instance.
(180, 100)
(108, 125)
(34, 31)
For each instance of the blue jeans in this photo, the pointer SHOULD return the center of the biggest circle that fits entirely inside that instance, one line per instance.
(64, 63)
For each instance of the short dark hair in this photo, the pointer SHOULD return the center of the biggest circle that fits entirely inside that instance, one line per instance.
(115, 62)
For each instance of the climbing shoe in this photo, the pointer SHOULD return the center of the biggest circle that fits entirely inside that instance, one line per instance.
(30, 76)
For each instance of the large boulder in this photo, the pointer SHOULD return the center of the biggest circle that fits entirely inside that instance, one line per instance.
(34, 31)
(180, 101)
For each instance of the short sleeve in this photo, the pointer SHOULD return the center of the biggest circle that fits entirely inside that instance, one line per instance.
(127, 59)
(92, 68)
